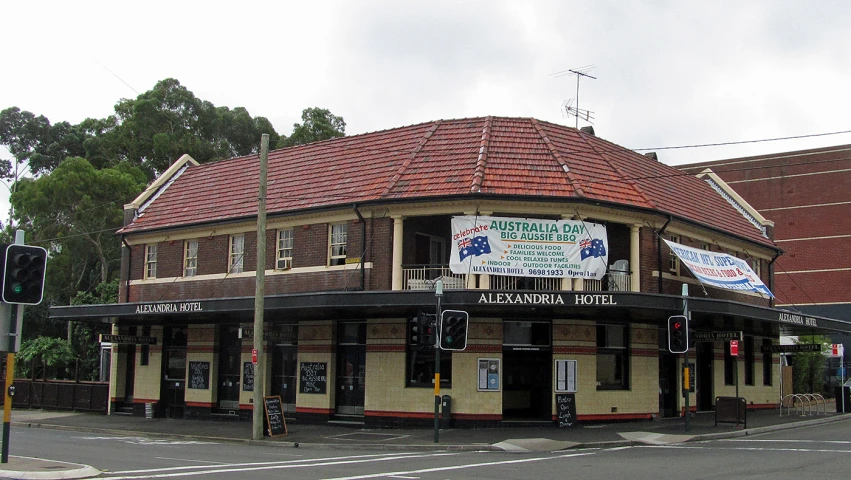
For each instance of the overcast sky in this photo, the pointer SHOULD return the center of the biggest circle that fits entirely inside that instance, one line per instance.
(668, 73)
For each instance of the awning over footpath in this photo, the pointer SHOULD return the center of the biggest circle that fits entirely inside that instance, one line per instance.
(707, 314)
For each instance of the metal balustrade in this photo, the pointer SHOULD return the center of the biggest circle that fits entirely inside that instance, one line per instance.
(423, 277)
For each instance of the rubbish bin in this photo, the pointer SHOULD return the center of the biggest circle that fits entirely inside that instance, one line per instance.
(446, 409)
(838, 393)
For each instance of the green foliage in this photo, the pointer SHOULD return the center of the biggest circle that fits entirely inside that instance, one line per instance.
(82, 175)
(79, 208)
(808, 368)
(104, 293)
(48, 352)
(162, 124)
(319, 124)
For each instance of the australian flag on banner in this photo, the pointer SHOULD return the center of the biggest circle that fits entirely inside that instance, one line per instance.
(477, 246)
(591, 248)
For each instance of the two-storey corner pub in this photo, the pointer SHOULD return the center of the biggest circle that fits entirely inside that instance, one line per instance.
(569, 253)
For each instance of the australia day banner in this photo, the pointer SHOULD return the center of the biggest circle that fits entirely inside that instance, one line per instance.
(527, 247)
(719, 269)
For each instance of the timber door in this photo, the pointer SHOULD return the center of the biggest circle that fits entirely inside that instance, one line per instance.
(351, 370)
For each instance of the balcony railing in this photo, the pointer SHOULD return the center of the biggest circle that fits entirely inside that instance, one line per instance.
(423, 277)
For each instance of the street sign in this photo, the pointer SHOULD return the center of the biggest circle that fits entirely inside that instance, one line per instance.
(734, 348)
(716, 336)
(799, 348)
(254, 356)
(836, 350)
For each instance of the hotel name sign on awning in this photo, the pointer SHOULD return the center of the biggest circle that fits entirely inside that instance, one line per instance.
(799, 348)
(716, 336)
(128, 339)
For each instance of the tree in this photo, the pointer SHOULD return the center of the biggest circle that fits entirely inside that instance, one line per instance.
(168, 121)
(34, 142)
(79, 208)
(808, 369)
(319, 124)
(50, 352)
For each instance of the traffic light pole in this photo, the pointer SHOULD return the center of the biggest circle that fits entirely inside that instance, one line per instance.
(14, 323)
(438, 292)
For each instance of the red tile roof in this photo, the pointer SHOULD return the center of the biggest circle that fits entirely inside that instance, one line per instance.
(475, 156)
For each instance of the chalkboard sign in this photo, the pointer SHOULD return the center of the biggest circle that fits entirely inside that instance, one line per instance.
(566, 409)
(314, 377)
(247, 377)
(276, 424)
(199, 375)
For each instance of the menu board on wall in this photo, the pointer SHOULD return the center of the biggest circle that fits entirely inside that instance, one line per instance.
(247, 377)
(313, 378)
(199, 375)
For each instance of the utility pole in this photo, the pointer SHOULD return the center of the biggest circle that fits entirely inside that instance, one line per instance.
(259, 295)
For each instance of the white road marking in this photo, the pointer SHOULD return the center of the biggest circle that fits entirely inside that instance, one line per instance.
(242, 467)
(757, 449)
(192, 460)
(461, 467)
(149, 441)
(840, 442)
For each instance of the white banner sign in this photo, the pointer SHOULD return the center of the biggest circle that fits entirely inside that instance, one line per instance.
(719, 269)
(526, 247)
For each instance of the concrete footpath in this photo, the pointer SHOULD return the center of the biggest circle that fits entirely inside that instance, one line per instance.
(545, 437)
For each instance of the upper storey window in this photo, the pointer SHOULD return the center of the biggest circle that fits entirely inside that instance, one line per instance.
(237, 254)
(151, 261)
(190, 258)
(674, 259)
(285, 249)
(339, 233)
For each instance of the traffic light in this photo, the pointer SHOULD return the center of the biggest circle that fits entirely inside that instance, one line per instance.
(422, 331)
(23, 274)
(678, 334)
(453, 329)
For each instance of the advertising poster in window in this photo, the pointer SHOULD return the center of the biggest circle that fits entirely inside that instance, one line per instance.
(528, 247)
(488, 375)
(565, 376)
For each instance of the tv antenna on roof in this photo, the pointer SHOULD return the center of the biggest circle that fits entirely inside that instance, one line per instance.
(587, 115)
(579, 73)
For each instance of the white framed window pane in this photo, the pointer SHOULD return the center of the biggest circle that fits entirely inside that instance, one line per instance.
(237, 253)
(190, 258)
(675, 260)
(285, 249)
(151, 261)
(337, 251)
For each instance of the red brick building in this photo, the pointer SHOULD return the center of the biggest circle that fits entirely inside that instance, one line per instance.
(360, 229)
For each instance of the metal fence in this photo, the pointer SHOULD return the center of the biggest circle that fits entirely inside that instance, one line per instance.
(61, 395)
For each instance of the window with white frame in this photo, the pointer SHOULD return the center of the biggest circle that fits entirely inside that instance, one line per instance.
(150, 261)
(237, 253)
(285, 249)
(674, 266)
(756, 266)
(339, 233)
(190, 258)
